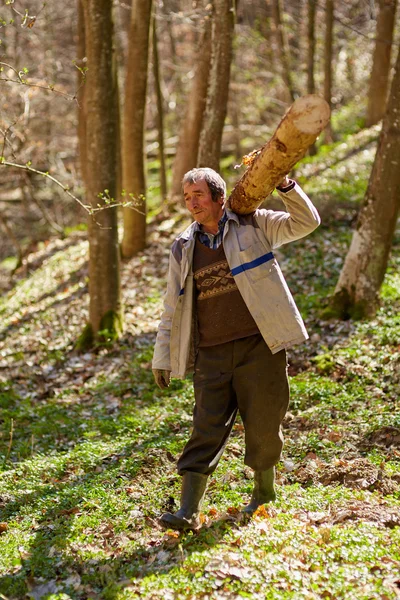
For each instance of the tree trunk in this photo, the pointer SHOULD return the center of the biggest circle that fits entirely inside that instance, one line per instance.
(222, 28)
(329, 19)
(295, 133)
(133, 165)
(379, 81)
(160, 113)
(283, 47)
(81, 96)
(101, 174)
(356, 294)
(189, 136)
(312, 4)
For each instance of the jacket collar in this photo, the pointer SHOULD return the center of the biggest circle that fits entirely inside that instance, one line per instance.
(189, 233)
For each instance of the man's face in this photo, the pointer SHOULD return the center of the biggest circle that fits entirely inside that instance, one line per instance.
(199, 203)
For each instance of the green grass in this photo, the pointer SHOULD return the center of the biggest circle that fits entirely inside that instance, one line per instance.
(88, 447)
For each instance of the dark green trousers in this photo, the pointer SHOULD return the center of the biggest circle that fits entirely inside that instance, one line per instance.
(243, 376)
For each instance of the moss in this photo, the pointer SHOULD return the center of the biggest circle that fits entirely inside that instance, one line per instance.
(342, 306)
(339, 306)
(110, 330)
(111, 327)
(362, 310)
(85, 340)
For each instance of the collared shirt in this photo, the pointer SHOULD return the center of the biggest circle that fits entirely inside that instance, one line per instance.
(214, 241)
(211, 240)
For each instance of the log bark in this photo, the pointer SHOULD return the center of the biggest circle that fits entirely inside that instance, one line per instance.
(299, 128)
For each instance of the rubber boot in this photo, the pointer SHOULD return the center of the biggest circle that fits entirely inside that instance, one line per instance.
(192, 494)
(263, 491)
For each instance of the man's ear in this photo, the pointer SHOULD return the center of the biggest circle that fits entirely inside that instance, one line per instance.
(221, 200)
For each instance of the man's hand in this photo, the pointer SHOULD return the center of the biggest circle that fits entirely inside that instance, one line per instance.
(284, 183)
(162, 378)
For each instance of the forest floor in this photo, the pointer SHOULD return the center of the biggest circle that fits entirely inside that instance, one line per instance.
(88, 444)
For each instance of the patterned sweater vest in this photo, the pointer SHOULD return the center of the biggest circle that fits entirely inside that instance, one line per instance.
(222, 314)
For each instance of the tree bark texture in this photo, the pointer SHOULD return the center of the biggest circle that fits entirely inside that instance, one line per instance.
(160, 112)
(299, 128)
(133, 164)
(311, 12)
(283, 47)
(189, 135)
(81, 96)
(222, 29)
(312, 4)
(379, 80)
(329, 19)
(356, 294)
(104, 278)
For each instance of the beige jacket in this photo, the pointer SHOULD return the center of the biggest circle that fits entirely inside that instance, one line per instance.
(248, 243)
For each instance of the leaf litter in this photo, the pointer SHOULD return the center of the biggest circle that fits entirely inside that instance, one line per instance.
(326, 449)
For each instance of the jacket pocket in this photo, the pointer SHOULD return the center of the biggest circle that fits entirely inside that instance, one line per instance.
(256, 262)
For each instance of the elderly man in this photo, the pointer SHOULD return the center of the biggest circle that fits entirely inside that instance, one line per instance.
(229, 314)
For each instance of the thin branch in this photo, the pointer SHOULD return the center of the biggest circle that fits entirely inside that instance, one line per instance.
(21, 81)
(87, 207)
(6, 140)
(65, 189)
(26, 16)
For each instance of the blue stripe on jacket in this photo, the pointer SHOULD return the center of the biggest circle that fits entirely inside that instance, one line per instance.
(253, 263)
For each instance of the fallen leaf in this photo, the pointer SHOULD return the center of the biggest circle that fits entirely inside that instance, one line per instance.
(262, 527)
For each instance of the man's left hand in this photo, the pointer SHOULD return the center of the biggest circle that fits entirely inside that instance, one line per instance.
(162, 378)
(284, 183)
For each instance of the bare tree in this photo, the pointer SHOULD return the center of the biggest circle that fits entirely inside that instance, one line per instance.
(189, 135)
(222, 28)
(379, 80)
(160, 112)
(329, 20)
(101, 173)
(133, 167)
(282, 46)
(312, 5)
(82, 112)
(311, 13)
(356, 293)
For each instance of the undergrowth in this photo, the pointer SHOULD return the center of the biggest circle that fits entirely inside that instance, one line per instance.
(88, 448)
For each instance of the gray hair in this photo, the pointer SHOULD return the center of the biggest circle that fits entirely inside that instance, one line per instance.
(216, 184)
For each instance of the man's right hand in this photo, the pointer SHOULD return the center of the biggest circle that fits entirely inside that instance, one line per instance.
(162, 378)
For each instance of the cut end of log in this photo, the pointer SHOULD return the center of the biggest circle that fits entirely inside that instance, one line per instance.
(298, 129)
(310, 114)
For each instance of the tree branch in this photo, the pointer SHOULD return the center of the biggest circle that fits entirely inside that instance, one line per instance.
(87, 207)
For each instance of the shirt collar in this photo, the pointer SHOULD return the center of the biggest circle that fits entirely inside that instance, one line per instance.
(221, 224)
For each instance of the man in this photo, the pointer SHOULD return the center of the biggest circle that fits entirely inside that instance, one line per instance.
(229, 314)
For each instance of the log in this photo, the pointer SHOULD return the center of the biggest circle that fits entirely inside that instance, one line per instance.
(299, 128)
